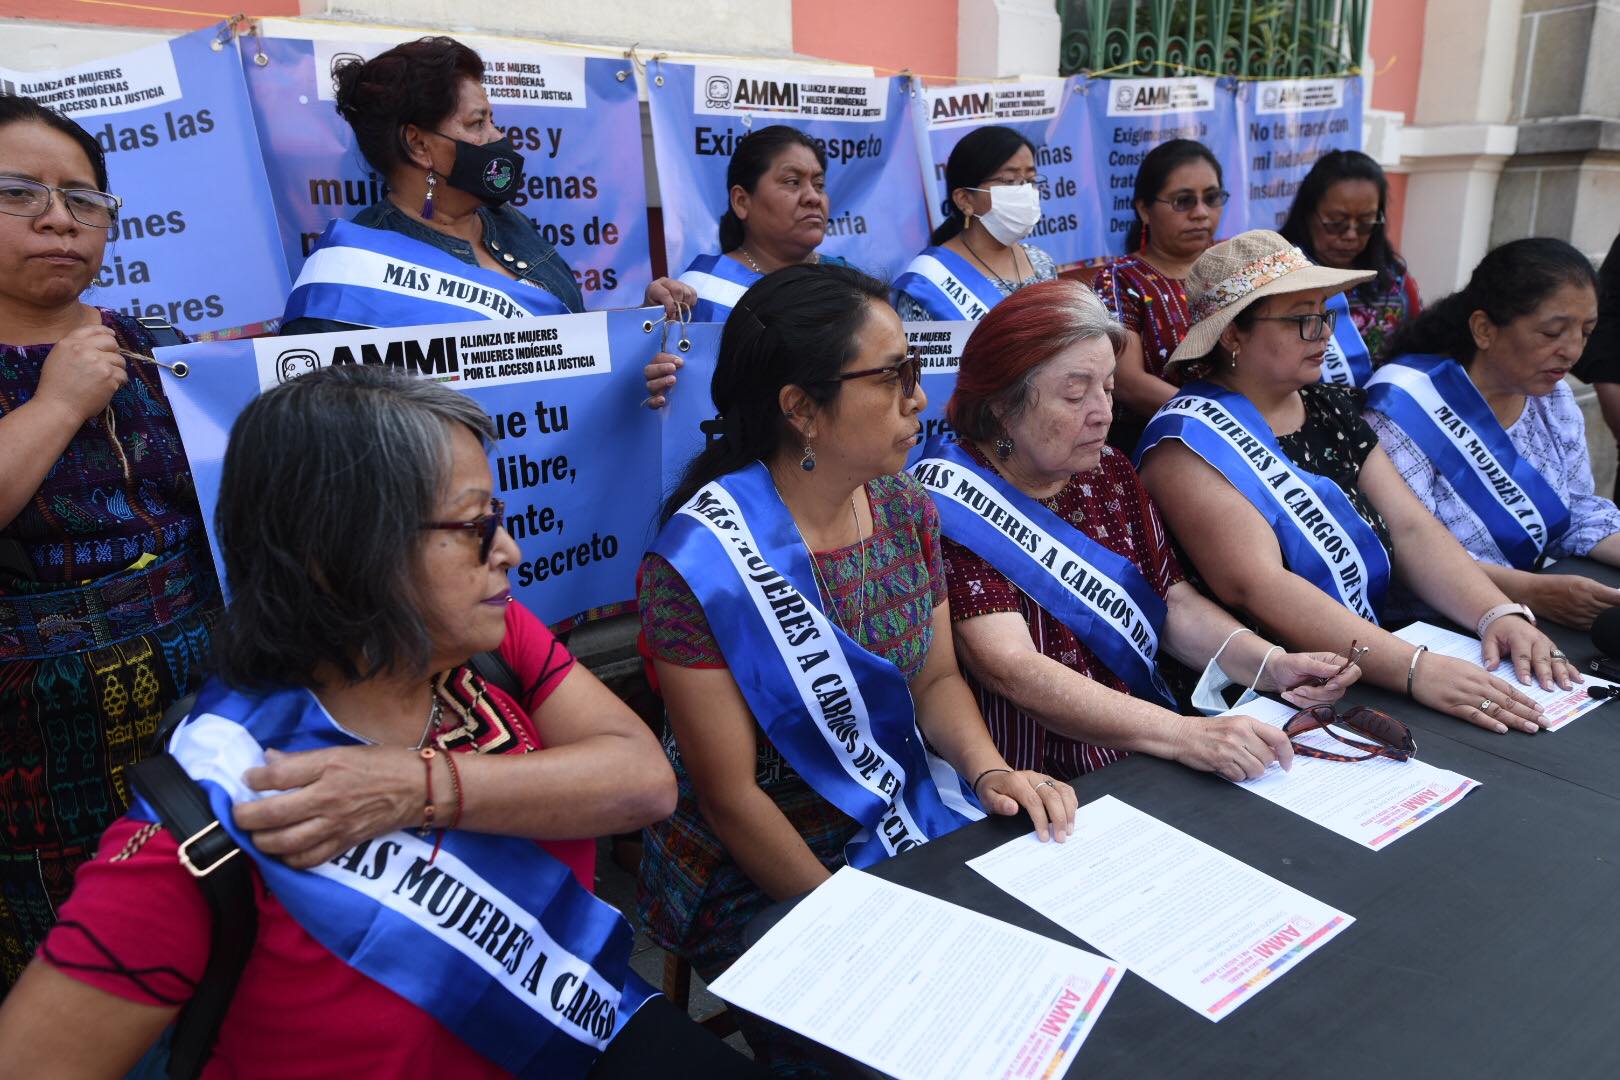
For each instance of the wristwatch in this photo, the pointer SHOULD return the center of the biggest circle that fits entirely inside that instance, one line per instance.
(1497, 612)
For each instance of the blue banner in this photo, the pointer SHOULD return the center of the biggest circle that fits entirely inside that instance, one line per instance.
(564, 393)
(194, 243)
(573, 117)
(1284, 125)
(877, 220)
(1345, 359)
(1130, 117)
(1052, 114)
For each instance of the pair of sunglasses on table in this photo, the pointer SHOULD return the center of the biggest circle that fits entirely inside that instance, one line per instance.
(1388, 736)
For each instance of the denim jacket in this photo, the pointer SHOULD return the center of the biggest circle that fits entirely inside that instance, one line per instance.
(508, 236)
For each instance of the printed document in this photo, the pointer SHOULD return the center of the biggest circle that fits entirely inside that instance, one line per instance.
(1203, 927)
(920, 988)
(1561, 706)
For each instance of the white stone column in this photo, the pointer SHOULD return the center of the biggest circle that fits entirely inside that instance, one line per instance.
(996, 38)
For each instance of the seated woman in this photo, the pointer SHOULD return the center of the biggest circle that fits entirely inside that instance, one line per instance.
(777, 190)
(350, 631)
(794, 605)
(1061, 642)
(978, 254)
(1473, 411)
(423, 121)
(1337, 220)
(1278, 492)
(1178, 200)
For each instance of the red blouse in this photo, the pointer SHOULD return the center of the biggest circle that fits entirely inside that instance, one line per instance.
(1149, 304)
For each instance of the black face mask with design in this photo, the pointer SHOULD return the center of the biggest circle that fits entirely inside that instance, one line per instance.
(491, 171)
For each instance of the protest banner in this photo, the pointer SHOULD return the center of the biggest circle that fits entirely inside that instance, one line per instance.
(553, 387)
(1051, 114)
(193, 243)
(1132, 116)
(573, 117)
(877, 219)
(1284, 126)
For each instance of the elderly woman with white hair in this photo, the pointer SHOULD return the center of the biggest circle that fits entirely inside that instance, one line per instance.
(1063, 588)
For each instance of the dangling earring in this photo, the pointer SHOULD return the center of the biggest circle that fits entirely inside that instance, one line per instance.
(808, 462)
(1004, 448)
(1235, 350)
(1144, 235)
(427, 204)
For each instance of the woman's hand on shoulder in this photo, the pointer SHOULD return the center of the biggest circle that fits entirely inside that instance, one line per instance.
(330, 800)
(82, 372)
(1050, 803)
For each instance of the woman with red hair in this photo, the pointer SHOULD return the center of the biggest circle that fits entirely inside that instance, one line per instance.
(1063, 587)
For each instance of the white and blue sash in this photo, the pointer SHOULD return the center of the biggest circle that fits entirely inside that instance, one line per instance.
(1097, 593)
(1433, 400)
(947, 286)
(377, 277)
(720, 282)
(1345, 360)
(1323, 539)
(842, 716)
(493, 937)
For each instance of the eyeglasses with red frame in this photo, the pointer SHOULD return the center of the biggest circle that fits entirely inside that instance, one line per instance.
(484, 525)
(1390, 737)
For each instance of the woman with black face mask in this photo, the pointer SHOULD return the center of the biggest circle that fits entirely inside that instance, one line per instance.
(444, 246)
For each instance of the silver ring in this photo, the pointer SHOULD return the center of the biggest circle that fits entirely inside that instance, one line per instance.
(1046, 783)
(1486, 705)
(1556, 655)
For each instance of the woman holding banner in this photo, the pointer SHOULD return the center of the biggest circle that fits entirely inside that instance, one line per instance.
(1060, 636)
(1279, 493)
(794, 606)
(1178, 200)
(1337, 220)
(107, 591)
(444, 246)
(1473, 411)
(978, 254)
(445, 942)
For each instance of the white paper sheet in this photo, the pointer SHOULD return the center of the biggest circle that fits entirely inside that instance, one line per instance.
(1373, 802)
(1203, 927)
(1561, 706)
(920, 988)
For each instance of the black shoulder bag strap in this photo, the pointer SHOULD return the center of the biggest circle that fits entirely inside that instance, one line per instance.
(163, 335)
(226, 881)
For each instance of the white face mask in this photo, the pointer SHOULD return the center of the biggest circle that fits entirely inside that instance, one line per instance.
(1206, 697)
(1015, 210)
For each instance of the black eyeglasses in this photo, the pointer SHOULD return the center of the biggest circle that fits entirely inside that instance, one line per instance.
(1312, 327)
(908, 371)
(31, 199)
(1340, 226)
(1183, 201)
(484, 525)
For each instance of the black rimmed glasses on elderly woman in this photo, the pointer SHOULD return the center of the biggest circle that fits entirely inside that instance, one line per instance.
(484, 525)
(1389, 737)
(20, 197)
(908, 371)
(1313, 327)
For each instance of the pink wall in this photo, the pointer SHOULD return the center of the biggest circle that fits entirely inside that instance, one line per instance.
(887, 34)
(1396, 35)
(107, 15)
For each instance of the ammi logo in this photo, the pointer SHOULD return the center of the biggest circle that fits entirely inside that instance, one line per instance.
(971, 105)
(435, 357)
(762, 93)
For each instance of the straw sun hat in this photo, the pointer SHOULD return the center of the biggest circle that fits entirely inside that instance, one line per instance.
(1235, 273)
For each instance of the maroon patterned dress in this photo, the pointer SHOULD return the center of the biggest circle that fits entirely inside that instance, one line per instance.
(1154, 307)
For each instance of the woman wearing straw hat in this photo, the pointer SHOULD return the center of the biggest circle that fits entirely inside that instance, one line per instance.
(1281, 497)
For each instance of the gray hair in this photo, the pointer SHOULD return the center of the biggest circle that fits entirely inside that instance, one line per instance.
(326, 482)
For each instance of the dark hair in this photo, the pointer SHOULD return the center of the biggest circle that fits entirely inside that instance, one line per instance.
(16, 109)
(753, 156)
(326, 479)
(793, 327)
(974, 160)
(1154, 173)
(1330, 169)
(416, 82)
(1509, 283)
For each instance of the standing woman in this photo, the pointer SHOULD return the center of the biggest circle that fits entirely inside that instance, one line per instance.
(978, 256)
(1178, 202)
(1337, 219)
(107, 591)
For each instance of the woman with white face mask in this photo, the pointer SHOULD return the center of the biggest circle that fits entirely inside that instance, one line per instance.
(978, 256)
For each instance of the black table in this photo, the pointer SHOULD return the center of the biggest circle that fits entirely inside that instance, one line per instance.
(1485, 944)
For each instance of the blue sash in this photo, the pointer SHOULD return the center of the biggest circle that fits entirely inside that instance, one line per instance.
(720, 282)
(377, 277)
(842, 716)
(947, 286)
(494, 938)
(1345, 360)
(1432, 399)
(1323, 539)
(1095, 592)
